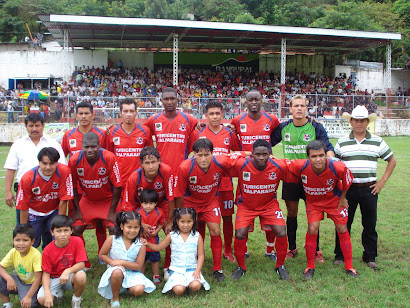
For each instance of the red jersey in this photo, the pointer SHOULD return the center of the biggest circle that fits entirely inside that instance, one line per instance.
(96, 180)
(324, 189)
(127, 147)
(154, 219)
(257, 189)
(41, 195)
(137, 182)
(250, 130)
(57, 259)
(172, 136)
(72, 141)
(223, 141)
(199, 188)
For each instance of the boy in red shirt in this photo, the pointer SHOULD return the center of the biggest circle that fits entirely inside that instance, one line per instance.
(43, 193)
(63, 263)
(152, 221)
(325, 183)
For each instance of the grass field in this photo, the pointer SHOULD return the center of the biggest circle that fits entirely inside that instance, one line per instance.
(260, 287)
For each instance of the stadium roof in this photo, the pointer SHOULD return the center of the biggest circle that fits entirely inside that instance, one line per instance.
(157, 35)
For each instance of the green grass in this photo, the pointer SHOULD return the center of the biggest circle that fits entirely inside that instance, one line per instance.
(260, 287)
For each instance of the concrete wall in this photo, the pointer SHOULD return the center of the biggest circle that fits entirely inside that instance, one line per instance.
(383, 127)
(370, 79)
(133, 58)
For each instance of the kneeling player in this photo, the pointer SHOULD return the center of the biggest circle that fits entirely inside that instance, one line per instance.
(325, 183)
(258, 179)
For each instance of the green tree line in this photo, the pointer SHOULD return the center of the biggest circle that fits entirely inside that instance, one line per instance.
(368, 15)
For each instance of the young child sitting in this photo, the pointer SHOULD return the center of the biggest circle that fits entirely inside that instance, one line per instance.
(63, 263)
(187, 253)
(124, 255)
(26, 261)
(152, 221)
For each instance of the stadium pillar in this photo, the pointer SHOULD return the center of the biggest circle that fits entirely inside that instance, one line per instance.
(175, 61)
(282, 76)
(388, 77)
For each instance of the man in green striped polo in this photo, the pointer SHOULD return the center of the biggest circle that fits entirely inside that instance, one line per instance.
(360, 151)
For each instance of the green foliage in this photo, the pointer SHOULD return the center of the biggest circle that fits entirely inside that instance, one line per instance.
(402, 8)
(11, 28)
(247, 18)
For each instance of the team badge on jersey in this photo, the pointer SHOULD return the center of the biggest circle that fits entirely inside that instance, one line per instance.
(182, 127)
(243, 128)
(140, 140)
(272, 176)
(80, 171)
(116, 140)
(307, 137)
(102, 171)
(266, 127)
(246, 176)
(55, 185)
(216, 176)
(158, 127)
(287, 137)
(304, 178)
(157, 185)
(226, 141)
(73, 143)
(330, 182)
(192, 179)
(36, 190)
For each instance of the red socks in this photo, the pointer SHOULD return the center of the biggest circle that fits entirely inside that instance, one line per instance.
(240, 249)
(101, 234)
(167, 261)
(346, 246)
(270, 241)
(228, 235)
(216, 247)
(201, 228)
(310, 247)
(281, 250)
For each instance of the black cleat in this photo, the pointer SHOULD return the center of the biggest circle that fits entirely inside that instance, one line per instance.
(247, 255)
(238, 273)
(308, 273)
(352, 272)
(219, 276)
(271, 255)
(282, 272)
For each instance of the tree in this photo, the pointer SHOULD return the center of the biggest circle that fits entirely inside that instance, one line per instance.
(247, 18)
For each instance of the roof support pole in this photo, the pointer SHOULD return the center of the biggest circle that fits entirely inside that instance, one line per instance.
(388, 77)
(175, 61)
(65, 56)
(282, 76)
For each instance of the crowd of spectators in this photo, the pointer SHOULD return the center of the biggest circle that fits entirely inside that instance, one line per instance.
(104, 87)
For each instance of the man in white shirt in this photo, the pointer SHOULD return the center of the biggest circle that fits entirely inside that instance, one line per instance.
(23, 155)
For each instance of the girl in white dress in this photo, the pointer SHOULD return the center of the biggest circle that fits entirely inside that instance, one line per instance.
(124, 255)
(187, 253)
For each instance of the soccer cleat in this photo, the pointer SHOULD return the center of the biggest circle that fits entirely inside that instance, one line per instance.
(219, 275)
(308, 273)
(228, 256)
(247, 255)
(352, 272)
(292, 253)
(166, 274)
(282, 272)
(319, 257)
(238, 273)
(271, 255)
(76, 303)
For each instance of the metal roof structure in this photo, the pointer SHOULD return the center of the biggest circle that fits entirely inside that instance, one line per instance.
(154, 35)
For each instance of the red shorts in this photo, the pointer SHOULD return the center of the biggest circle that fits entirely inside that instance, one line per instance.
(226, 203)
(270, 215)
(93, 210)
(317, 213)
(210, 213)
